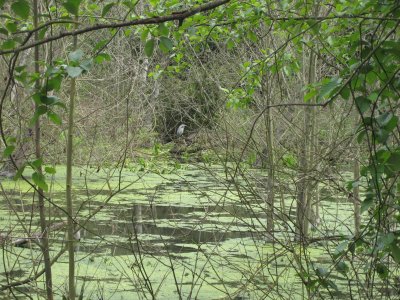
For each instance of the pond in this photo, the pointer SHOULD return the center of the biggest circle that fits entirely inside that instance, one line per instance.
(171, 233)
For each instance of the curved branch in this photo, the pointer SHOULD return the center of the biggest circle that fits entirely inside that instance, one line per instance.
(180, 15)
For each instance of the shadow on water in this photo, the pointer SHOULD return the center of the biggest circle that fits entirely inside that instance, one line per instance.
(168, 227)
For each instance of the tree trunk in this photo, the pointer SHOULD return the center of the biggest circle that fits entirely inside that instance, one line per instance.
(138, 219)
(356, 196)
(304, 198)
(24, 135)
(311, 190)
(70, 220)
(316, 205)
(271, 172)
(38, 154)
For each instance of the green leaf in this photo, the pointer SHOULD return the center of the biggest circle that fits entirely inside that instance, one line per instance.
(310, 95)
(329, 284)
(8, 44)
(19, 172)
(289, 160)
(101, 57)
(74, 72)
(61, 105)
(50, 170)
(144, 34)
(340, 249)
(311, 284)
(11, 139)
(328, 87)
(34, 119)
(8, 151)
(373, 96)
(368, 121)
(53, 83)
(383, 155)
(352, 184)
(230, 44)
(363, 103)
(252, 36)
(107, 8)
(345, 93)
(72, 6)
(149, 48)
(382, 271)
(371, 77)
(86, 64)
(100, 45)
(42, 32)
(366, 204)
(321, 272)
(385, 240)
(54, 117)
(392, 47)
(395, 250)
(392, 124)
(381, 135)
(342, 267)
(36, 164)
(76, 55)
(393, 162)
(130, 4)
(128, 32)
(3, 31)
(166, 44)
(11, 27)
(36, 98)
(41, 109)
(163, 30)
(384, 119)
(48, 100)
(39, 180)
(21, 8)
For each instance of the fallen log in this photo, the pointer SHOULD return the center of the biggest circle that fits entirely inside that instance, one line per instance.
(6, 238)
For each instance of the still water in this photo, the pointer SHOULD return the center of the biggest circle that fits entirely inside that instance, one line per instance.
(169, 233)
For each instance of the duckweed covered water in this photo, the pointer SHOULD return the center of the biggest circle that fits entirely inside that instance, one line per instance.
(189, 232)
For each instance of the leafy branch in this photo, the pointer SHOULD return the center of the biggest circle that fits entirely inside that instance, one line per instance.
(175, 16)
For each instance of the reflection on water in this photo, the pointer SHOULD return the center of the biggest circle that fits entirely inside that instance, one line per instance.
(167, 225)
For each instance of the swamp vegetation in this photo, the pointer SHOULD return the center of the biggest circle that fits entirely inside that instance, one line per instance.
(284, 183)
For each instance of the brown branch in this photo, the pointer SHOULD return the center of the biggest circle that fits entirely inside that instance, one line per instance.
(153, 20)
(335, 17)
